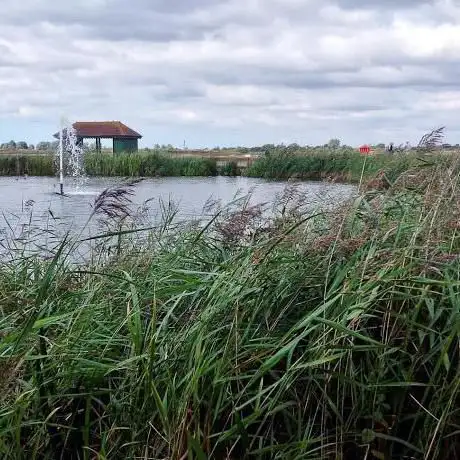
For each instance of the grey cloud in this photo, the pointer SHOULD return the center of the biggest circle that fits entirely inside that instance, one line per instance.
(447, 77)
(159, 20)
(383, 4)
(362, 107)
(181, 93)
(7, 58)
(166, 6)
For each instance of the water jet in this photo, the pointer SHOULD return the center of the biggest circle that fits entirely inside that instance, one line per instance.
(70, 155)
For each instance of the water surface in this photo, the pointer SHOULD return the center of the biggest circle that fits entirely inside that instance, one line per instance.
(34, 201)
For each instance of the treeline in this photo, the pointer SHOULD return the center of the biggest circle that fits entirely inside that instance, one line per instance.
(22, 145)
(334, 145)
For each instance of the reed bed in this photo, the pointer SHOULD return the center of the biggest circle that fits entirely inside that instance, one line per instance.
(346, 166)
(129, 165)
(19, 165)
(147, 165)
(304, 336)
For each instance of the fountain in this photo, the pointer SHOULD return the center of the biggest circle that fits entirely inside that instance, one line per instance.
(61, 158)
(71, 150)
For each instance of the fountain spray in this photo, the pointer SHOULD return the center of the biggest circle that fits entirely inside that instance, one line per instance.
(72, 164)
(61, 158)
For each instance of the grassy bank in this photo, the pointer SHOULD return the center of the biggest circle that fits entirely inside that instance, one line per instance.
(346, 166)
(315, 337)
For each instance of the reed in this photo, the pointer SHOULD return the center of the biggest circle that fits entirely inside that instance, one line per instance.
(346, 165)
(147, 165)
(313, 336)
(19, 165)
(133, 165)
(338, 166)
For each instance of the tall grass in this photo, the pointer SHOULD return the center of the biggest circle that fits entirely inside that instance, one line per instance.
(133, 165)
(313, 336)
(341, 165)
(39, 165)
(148, 165)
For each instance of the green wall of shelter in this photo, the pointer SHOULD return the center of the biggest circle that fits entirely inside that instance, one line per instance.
(124, 146)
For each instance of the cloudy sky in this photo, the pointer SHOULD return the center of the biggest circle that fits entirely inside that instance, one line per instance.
(232, 72)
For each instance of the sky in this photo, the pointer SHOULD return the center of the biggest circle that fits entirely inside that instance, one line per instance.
(233, 72)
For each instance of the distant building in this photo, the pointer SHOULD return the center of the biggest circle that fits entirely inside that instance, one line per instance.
(124, 139)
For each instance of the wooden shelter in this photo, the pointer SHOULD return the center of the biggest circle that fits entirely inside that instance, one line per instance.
(124, 139)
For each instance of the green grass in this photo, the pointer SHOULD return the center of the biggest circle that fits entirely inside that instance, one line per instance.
(148, 165)
(326, 336)
(26, 164)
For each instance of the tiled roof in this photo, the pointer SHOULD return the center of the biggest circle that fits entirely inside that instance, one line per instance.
(104, 129)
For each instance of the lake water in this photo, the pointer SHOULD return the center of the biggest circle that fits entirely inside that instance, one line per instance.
(32, 201)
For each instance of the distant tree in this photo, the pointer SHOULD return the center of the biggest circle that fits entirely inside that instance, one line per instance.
(21, 145)
(54, 145)
(292, 147)
(380, 146)
(3, 146)
(43, 146)
(268, 148)
(31, 147)
(12, 145)
(87, 146)
(167, 147)
(334, 144)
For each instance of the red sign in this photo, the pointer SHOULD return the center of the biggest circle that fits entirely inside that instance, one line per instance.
(365, 150)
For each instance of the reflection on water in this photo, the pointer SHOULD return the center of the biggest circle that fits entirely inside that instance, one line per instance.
(34, 202)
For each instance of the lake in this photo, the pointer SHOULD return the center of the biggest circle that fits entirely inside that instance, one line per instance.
(33, 202)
